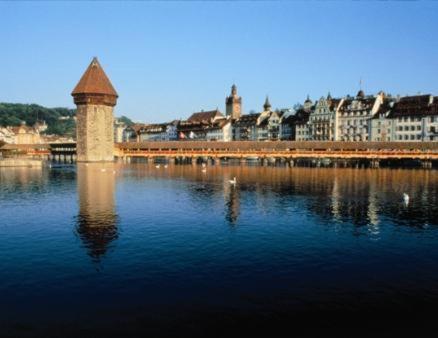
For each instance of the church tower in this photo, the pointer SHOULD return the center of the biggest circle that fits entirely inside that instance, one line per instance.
(95, 98)
(233, 104)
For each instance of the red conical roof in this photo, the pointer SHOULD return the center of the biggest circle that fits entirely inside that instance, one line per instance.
(94, 81)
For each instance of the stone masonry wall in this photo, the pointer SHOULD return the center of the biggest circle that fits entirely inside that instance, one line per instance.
(95, 133)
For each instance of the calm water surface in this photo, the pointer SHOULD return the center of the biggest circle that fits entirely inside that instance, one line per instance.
(129, 250)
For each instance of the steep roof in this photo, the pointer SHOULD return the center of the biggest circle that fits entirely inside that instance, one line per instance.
(205, 116)
(416, 105)
(247, 120)
(94, 81)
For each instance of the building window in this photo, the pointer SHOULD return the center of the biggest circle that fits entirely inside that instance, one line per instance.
(418, 127)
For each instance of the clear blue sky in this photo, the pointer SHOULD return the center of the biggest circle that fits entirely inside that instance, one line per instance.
(167, 60)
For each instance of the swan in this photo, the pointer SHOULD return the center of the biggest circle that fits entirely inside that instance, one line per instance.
(203, 165)
(406, 198)
(204, 170)
(233, 181)
(165, 166)
(157, 166)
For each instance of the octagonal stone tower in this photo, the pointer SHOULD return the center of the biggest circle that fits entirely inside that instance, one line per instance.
(95, 98)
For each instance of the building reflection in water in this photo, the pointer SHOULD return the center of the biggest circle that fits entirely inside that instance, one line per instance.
(97, 220)
(232, 202)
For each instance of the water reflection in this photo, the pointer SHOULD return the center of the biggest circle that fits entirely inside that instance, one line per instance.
(97, 220)
(232, 202)
(362, 199)
(21, 179)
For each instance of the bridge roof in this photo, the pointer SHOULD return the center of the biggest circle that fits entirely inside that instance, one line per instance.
(94, 81)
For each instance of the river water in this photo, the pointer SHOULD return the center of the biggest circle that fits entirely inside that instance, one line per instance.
(134, 250)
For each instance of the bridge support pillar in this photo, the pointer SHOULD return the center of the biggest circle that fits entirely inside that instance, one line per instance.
(375, 164)
(426, 164)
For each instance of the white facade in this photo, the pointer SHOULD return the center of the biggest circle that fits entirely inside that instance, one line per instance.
(353, 120)
(7, 135)
(322, 120)
(408, 119)
(302, 132)
(220, 132)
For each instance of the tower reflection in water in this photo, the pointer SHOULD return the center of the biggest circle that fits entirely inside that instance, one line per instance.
(97, 220)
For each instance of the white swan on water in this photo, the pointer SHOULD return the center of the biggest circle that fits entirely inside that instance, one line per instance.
(233, 181)
(157, 166)
(406, 198)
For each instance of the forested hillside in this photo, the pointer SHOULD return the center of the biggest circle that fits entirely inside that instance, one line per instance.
(59, 120)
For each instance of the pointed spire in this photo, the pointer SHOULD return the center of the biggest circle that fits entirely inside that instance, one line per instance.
(329, 96)
(308, 100)
(233, 90)
(267, 104)
(94, 81)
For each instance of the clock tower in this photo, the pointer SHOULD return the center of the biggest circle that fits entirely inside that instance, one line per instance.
(233, 104)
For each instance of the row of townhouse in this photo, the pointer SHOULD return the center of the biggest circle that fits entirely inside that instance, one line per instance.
(352, 118)
(410, 118)
(368, 118)
(21, 134)
(24, 134)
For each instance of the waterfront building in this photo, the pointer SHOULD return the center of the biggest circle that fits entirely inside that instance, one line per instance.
(381, 124)
(287, 127)
(119, 128)
(7, 135)
(322, 119)
(353, 121)
(25, 135)
(220, 130)
(196, 130)
(40, 126)
(412, 118)
(95, 97)
(132, 133)
(159, 132)
(195, 127)
(409, 118)
(233, 104)
(301, 121)
(268, 123)
(206, 117)
(245, 128)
